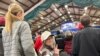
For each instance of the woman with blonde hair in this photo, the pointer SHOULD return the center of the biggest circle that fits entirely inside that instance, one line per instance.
(17, 38)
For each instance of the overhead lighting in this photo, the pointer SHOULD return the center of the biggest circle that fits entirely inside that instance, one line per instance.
(39, 26)
(85, 8)
(66, 6)
(63, 17)
(55, 9)
(97, 19)
(84, 14)
(48, 20)
(68, 12)
(71, 16)
(60, 14)
(41, 17)
(53, 23)
(72, 19)
(65, 20)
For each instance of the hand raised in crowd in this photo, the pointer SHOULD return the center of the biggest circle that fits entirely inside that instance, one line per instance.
(56, 51)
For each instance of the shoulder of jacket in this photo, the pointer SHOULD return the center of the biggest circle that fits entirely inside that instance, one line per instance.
(23, 23)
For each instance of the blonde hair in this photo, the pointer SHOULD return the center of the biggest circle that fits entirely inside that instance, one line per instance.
(10, 17)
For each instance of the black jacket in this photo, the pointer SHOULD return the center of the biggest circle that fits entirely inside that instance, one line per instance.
(1, 44)
(87, 42)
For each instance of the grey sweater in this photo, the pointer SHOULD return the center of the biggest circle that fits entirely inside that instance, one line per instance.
(21, 44)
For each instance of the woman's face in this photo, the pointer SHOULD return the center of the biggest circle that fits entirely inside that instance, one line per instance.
(49, 41)
(20, 15)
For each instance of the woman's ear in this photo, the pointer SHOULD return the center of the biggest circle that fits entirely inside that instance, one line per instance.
(19, 14)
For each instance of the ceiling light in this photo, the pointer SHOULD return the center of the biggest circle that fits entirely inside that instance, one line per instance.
(60, 14)
(71, 16)
(39, 26)
(41, 17)
(85, 8)
(66, 6)
(72, 19)
(48, 20)
(84, 14)
(97, 19)
(55, 9)
(68, 12)
(63, 17)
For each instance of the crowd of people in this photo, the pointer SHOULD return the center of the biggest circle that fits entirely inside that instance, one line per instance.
(16, 38)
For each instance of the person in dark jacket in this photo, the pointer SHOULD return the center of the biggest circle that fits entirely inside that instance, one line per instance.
(87, 41)
(1, 44)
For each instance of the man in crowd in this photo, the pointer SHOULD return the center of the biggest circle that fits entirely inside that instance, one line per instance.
(87, 41)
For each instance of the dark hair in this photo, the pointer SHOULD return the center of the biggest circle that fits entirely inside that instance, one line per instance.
(69, 35)
(1, 30)
(38, 32)
(85, 20)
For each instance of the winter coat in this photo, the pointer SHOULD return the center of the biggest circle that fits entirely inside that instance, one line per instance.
(21, 44)
(87, 42)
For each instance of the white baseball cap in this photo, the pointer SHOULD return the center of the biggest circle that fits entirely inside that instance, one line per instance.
(45, 35)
